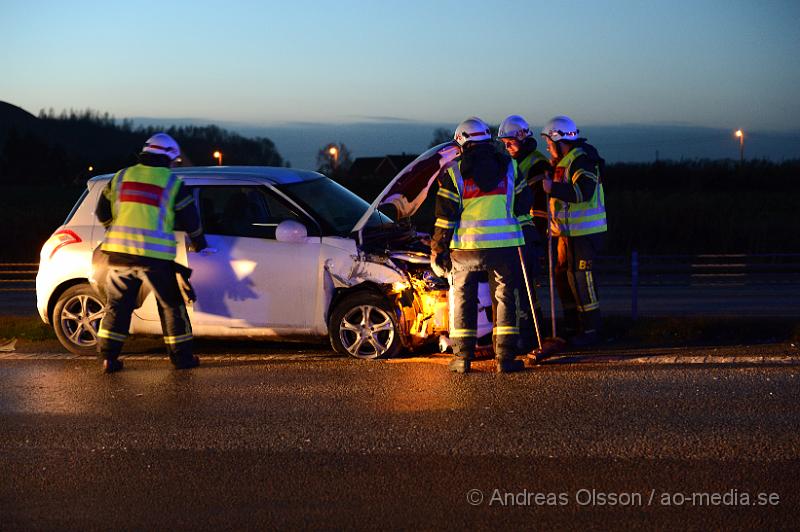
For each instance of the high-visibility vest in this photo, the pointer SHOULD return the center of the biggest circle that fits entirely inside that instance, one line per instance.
(143, 207)
(487, 218)
(583, 218)
(523, 167)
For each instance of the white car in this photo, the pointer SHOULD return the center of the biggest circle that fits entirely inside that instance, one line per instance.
(291, 254)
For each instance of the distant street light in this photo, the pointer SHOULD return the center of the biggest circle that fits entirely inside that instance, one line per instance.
(91, 168)
(334, 151)
(740, 135)
(218, 157)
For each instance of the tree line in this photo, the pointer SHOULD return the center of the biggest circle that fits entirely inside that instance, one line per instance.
(61, 149)
(665, 207)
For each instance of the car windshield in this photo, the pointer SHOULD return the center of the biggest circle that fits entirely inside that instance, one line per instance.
(333, 205)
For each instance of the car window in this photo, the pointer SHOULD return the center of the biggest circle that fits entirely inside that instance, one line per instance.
(336, 207)
(77, 204)
(249, 211)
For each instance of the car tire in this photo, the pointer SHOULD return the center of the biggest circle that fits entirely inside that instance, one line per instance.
(76, 319)
(364, 325)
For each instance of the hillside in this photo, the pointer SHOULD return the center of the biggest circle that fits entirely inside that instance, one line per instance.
(59, 149)
(12, 116)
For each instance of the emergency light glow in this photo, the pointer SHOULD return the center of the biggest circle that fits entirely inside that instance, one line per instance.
(400, 286)
(243, 268)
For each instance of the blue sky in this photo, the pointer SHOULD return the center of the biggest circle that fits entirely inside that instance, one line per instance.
(722, 64)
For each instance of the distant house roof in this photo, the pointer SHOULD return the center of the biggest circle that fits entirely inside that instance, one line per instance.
(364, 167)
(385, 167)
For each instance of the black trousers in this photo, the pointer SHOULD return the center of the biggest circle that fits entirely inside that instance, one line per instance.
(122, 287)
(502, 265)
(574, 280)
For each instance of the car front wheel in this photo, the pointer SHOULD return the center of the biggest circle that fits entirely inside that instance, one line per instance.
(76, 319)
(363, 325)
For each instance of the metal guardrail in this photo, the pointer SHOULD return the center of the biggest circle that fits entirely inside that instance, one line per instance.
(18, 276)
(699, 270)
(612, 270)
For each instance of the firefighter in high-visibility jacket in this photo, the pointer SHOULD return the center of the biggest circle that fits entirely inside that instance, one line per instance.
(140, 208)
(531, 166)
(578, 219)
(477, 231)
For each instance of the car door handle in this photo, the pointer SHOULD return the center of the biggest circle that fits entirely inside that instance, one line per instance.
(207, 251)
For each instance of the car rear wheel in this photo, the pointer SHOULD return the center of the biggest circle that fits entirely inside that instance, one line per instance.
(363, 325)
(76, 319)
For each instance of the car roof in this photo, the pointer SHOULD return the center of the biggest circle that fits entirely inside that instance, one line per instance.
(272, 174)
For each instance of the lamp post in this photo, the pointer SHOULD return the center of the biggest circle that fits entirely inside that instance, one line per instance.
(218, 157)
(334, 152)
(740, 135)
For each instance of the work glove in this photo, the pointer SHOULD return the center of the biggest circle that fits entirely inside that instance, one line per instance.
(441, 264)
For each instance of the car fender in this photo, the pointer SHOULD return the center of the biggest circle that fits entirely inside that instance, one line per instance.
(362, 272)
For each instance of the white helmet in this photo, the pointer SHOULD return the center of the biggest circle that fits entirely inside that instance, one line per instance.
(514, 127)
(473, 129)
(162, 144)
(561, 128)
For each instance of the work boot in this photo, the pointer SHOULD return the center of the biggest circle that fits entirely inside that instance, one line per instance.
(550, 347)
(112, 365)
(460, 365)
(186, 363)
(509, 365)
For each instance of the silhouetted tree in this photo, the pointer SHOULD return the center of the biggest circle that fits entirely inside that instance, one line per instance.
(440, 136)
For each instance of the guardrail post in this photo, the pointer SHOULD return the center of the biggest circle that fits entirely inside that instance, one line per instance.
(634, 285)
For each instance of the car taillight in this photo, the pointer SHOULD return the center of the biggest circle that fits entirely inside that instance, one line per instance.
(61, 238)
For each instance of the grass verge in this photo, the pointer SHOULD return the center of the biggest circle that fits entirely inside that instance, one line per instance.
(683, 331)
(25, 329)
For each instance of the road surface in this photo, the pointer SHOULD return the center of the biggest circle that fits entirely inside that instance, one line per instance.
(641, 439)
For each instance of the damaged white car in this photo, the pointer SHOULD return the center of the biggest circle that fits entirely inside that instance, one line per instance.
(292, 254)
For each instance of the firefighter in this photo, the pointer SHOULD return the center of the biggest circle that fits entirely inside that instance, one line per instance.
(531, 166)
(578, 220)
(140, 208)
(476, 231)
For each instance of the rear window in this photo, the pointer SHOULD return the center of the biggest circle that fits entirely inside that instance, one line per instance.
(77, 204)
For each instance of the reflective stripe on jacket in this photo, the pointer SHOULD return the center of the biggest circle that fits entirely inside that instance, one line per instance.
(143, 206)
(583, 218)
(487, 217)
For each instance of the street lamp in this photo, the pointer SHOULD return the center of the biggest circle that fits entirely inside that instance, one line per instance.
(740, 135)
(218, 157)
(334, 152)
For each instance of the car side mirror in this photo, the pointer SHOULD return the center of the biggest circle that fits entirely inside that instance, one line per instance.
(291, 231)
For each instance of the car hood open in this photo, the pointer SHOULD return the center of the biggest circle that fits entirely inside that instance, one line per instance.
(409, 188)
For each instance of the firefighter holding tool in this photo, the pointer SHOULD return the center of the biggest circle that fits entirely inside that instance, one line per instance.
(578, 222)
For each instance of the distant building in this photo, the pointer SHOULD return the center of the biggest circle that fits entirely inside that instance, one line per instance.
(378, 169)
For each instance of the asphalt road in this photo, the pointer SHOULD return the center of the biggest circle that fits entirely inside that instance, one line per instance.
(676, 439)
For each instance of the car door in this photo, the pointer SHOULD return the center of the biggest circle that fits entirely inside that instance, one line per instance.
(246, 278)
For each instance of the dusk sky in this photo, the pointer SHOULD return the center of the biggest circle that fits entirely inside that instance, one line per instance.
(721, 64)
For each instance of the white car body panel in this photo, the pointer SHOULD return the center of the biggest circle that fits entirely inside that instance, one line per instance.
(243, 288)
